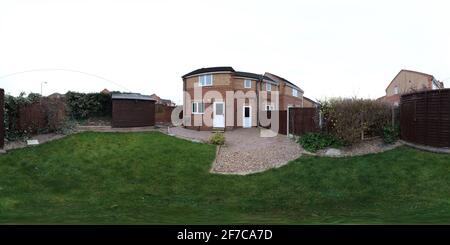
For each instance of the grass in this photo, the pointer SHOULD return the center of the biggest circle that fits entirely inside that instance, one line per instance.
(123, 178)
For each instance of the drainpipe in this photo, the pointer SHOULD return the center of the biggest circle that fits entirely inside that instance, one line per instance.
(257, 101)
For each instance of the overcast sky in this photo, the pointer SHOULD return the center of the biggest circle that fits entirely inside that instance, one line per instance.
(328, 48)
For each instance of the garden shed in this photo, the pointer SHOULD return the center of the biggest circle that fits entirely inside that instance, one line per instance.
(132, 110)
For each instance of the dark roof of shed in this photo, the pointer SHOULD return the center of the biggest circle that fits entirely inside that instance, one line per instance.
(210, 69)
(131, 96)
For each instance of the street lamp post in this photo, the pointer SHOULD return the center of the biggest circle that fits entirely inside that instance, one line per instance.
(41, 87)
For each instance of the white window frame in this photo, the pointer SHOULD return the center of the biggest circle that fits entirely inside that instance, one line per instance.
(202, 81)
(197, 103)
(396, 89)
(247, 81)
(270, 106)
(268, 87)
(294, 92)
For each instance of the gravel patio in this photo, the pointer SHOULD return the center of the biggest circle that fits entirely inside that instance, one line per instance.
(245, 151)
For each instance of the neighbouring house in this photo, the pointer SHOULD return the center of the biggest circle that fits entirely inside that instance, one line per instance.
(407, 81)
(162, 101)
(56, 96)
(254, 94)
(309, 103)
(105, 91)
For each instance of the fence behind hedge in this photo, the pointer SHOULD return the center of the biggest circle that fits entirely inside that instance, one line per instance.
(45, 115)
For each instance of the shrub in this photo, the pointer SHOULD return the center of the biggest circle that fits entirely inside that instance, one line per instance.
(83, 106)
(351, 119)
(217, 139)
(391, 134)
(315, 141)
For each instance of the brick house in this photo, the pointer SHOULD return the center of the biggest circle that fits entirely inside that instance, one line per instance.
(220, 97)
(407, 81)
(160, 101)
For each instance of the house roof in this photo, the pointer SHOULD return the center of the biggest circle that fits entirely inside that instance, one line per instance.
(248, 74)
(312, 101)
(404, 70)
(131, 96)
(286, 81)
(210, 69)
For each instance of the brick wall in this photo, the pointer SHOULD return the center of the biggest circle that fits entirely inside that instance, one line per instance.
(163, 113)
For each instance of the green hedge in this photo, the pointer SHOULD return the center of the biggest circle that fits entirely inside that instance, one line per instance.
(316, 141)
(83, 106)
(350, 118)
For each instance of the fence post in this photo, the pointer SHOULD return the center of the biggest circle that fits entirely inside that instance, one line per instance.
(2, 119)
(393, 115)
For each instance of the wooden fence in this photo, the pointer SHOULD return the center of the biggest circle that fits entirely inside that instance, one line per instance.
(298, 121)
(303, 120)
(425, 118)
(43, 116)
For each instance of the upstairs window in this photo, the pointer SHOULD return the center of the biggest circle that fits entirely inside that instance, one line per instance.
(294, 92)
(205, 80)
(268, 87)
(198, 108)
(247, 84)
(396, 89)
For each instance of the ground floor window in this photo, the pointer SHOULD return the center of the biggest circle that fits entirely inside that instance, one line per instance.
(198, 107)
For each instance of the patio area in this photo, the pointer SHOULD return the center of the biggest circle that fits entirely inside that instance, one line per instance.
(247, 150)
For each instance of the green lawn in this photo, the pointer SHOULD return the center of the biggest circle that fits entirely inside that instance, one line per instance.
(153, 178)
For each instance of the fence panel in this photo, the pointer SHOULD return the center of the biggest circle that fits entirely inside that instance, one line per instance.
(425, 118)
(303, 120)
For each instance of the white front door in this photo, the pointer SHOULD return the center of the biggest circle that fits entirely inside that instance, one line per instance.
(219, 115)
(247, 123)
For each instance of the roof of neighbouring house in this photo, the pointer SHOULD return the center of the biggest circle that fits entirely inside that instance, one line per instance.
(105, 91)
(55, 95)
(312, 101)
(285, 80)
(131, 96)
(164, 101)
(156, 97)
(210, 69)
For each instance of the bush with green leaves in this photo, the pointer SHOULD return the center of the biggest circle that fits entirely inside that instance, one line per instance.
(391, 134)
(83, 106)
(217, 139)
(316, 141)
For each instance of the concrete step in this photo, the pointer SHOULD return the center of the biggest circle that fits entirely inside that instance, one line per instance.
(218, 130)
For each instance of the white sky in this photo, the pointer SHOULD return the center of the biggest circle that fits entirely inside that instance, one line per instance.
(328, 48)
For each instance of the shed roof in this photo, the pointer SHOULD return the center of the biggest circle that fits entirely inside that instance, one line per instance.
(131, 96)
